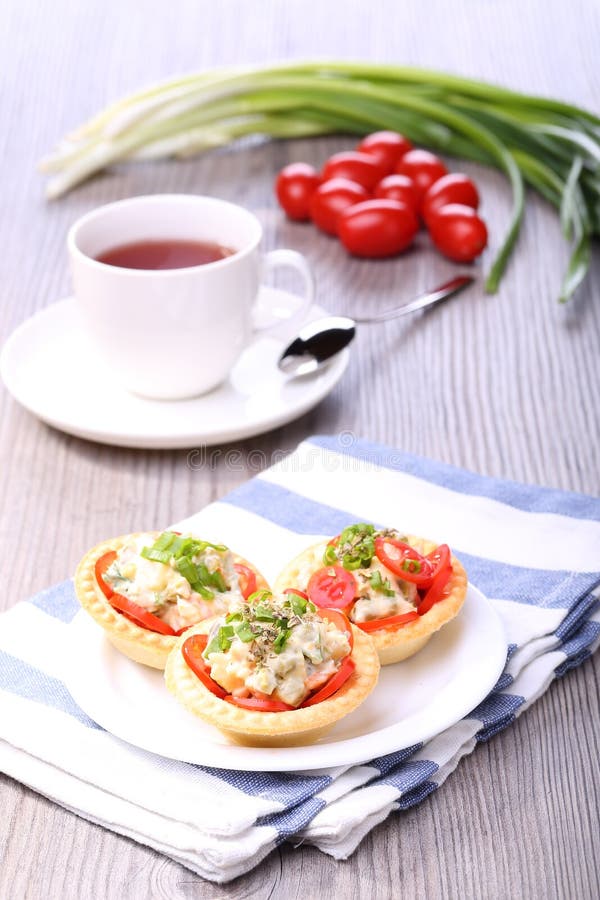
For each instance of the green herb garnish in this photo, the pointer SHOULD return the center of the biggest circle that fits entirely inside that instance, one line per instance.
(378, 584)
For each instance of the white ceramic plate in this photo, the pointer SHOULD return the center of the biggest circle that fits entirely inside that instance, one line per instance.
(50, 368)
(413, 701)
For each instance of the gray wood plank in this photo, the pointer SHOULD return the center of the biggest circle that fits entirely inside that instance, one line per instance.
(504, 385)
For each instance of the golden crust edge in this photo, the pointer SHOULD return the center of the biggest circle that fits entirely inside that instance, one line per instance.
(272, 729)
(392, 646)
(139, 644)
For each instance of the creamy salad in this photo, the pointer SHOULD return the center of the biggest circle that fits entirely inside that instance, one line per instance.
(281, 650)
(177, 578)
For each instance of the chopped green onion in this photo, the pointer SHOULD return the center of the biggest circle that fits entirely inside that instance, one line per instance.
(281, 639)
(297, 603)
(245, 633)
(259, 596)
(330, 555)
(412, 565)
(263, 614)
(225, 636)
(161, 556)
(378, 584)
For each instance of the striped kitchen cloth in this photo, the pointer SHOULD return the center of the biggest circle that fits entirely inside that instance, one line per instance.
(535, 552)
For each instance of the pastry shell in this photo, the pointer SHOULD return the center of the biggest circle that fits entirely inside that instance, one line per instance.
(392, 645)
(139, 644)
(278, 729)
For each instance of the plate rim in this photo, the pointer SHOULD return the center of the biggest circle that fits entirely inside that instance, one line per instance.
(331, 375)
(345, 751)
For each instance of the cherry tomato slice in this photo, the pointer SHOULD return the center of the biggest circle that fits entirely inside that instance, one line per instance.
(387, 147)
(388, 622)
(102, 564)
(442, 559)
(458, 232)
(334, 684)
(377, 228)
(341, 622)
(332, 198)
(247, 579)
(423, 167)
(139, 615)
(398, 187)
(452, 188)
(359, 167)
(294, 187)
(192, 651)
(258, 704)
(404, 561)
(332, 587)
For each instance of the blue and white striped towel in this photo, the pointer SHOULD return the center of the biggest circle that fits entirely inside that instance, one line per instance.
(535, 552)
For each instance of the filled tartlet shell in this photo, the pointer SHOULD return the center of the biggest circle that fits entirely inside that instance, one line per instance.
(272, 729)
(139, 644)
(393, 645)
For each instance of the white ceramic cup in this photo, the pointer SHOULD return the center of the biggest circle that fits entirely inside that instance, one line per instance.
(174, 333)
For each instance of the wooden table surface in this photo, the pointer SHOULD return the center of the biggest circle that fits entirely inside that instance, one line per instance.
(505, 385)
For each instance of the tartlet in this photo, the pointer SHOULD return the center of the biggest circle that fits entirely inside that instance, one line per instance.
(140, 643)
(274, 723)
(402, 640)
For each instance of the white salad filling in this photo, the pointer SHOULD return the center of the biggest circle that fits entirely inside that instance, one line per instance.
(265, 665)
(394, 599)
(161, 589)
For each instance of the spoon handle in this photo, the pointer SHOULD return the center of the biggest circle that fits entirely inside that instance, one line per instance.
(441, 293)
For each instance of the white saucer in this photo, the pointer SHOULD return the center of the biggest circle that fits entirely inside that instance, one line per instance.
(49, 367)
(413, 701)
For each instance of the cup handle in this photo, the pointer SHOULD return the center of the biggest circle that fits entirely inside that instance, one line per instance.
(293, 260)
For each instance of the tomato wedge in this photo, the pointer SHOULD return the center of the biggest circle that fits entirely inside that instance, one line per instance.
(258, 704)
(102, 564)
(139, 616)
(341, 622)
(192, 650)
(404, 561)
(334, 684)
(442, 558)
(247, 579)
(332, 587)
(388, 622)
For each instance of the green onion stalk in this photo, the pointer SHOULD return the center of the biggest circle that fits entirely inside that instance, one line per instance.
(549, 144)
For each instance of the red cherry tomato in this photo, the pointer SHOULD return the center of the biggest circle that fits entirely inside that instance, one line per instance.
(377, 228)
(247, 579)
(259, 704)
(334, 684)
(404, 561)
(359, 167)
(102, 564)
(442, 559)
(458, 232)
(192, 651)
(387, 147)
(390, 622)
(423, 167)
(139, 616)
(332, 587)
(452, 188)
(294, 187)
(332, 198)
(400, 188)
